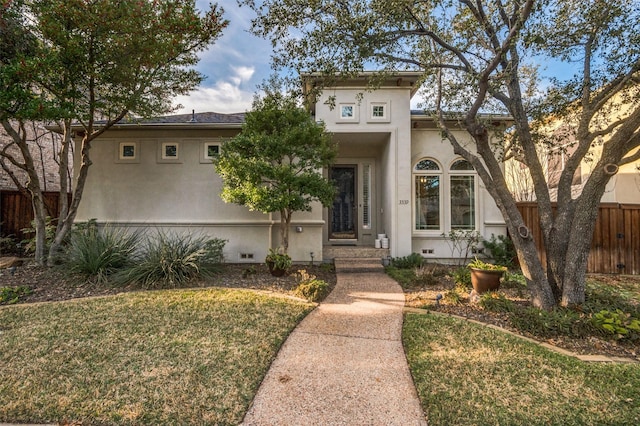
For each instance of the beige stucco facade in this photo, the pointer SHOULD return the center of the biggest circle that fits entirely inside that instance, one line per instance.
(380, 142)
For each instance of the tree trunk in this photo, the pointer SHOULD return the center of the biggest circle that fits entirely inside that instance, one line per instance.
(33, 188)
(40, 225)
(285, 221)
(65, 223)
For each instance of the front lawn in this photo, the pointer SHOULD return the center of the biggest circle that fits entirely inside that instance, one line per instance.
(467, 374)
(158, 357)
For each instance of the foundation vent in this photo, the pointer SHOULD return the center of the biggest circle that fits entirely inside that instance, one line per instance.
(245, 256)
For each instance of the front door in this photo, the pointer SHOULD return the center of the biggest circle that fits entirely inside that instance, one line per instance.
(344, 214)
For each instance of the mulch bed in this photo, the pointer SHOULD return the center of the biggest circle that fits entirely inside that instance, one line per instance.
(52, 284)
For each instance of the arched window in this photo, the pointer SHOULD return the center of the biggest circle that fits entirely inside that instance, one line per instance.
(462, 182)
(428, 195)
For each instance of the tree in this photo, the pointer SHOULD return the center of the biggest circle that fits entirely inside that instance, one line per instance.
(275, 163)
(479, 57)
(91, 64)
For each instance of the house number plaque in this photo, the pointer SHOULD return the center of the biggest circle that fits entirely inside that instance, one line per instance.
(404, 202)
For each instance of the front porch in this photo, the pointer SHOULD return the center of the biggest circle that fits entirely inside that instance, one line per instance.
(330, 253)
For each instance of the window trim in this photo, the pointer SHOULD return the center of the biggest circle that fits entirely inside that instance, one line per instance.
(205, 158)
(121, 158)
(355, 113)
(476, 199)
(162, 158)
(427, 173)
(386, 116)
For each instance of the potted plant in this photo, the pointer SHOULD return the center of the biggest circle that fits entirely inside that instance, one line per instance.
(278, 262)
(485, 276)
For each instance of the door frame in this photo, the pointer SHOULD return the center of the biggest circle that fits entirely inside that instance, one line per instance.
(355, 212)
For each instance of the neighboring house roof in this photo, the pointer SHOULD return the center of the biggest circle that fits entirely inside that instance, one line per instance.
(201, 117)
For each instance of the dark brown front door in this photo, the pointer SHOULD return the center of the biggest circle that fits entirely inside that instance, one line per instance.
(343, 214)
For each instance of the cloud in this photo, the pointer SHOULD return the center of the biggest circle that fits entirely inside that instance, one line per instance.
(243, 74)
(225, 96)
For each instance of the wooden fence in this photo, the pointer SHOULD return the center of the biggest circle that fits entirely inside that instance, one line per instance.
(16, 212)
(615, 248)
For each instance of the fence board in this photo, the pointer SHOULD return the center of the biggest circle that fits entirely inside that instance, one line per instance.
(615, 247)
(16, 211)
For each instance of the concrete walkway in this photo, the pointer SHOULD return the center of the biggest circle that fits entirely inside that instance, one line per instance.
(344, 364)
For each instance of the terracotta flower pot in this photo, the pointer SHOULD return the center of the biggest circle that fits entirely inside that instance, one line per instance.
(484, 280)
(276, 272)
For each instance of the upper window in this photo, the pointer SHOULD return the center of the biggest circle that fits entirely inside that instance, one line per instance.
(428, 195)
(127, 152)
(170, 151)
(378, 112)
(209, 151)
(463, 195)
(348, 113)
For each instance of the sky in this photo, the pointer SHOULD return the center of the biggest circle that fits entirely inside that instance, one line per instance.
(238, 62)
(234, 66)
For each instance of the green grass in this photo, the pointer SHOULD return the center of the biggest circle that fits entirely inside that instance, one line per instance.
(159, 357)
(467, 374)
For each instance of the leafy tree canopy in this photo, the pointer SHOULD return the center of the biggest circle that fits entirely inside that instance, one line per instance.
(89, 64)
(275, 164)
(480, 56)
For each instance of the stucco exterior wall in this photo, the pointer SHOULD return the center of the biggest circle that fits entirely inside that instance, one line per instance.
(183, 196)
(428, 143)
(389, 140)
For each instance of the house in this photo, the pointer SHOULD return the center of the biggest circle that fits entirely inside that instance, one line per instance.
(624, 186)
(394, 172)
(44, 147)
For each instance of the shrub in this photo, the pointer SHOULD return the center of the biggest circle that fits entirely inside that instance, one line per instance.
(462, 277)
(414, 260)
(556, 322)
(495, 302)
(29, 244)
(452, 297)
(8, 245)
(514, 280)
(11, 295)
(99, 253)
(600, 297)
(424, 276)
(310, 287)
(502, 250)
(173, 260)
(618, 323)
(405, 277)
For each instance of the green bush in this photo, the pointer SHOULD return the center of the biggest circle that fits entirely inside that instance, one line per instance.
(8, 245)
(452, 297)
(502, 250)
(171, 260)
(11, 295)
(462, 277)
(424, 276)
(98, 253)
(405, 277)
(311, 288)
(618, 323)
(553, 323)
(495, 302)
(599, 297)
(29, 244)
(414, 260)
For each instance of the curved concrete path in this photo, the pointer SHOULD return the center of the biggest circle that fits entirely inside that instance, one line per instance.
(344, 364)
